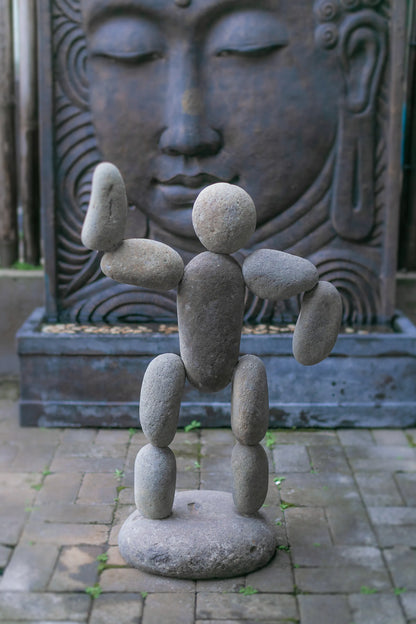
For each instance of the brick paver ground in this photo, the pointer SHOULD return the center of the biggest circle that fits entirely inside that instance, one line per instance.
(343, 502)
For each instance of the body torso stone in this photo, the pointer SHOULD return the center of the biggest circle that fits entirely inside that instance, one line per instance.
(250, 477)
(249, 400)
(276, 275)
(154, 481)
(210, 316)
(318, 324)
(160, 398)
(105, 221)
(143, 262)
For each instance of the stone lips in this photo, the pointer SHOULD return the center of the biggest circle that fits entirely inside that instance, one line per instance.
(277, 275)
(160, 398)
(105, 220)
(249, 400)
(204, 538)
(318, 324)
(143, 262)
(210, 316)
(224, 217)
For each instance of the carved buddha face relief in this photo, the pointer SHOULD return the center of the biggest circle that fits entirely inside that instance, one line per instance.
(213, 90)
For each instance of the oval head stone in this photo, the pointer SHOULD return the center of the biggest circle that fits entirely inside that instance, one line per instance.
(105, 221)
(143, 262)
(276, 275)
(318, 324)
(224, 217)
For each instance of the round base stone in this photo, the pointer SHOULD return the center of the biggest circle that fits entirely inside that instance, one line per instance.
(205, 537)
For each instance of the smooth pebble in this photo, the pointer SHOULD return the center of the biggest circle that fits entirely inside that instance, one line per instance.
(318, 324)
(154, 481)
(249, 400)
(250, 477)
(276, 275)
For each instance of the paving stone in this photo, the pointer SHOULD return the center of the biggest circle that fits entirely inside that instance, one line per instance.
(321, 609)
(407, 486)
(85, 464)
(76, 513)
(60, 488)
(408, 601)
(97, 488)
(188, 480)
(133, 580)
(376, 609)
(375, 458)
(216, 481)
(160, 608)
(379, 489)
(390, 437)
(65, 534)
(255, 621)
(13, 518)
(16, 488)
(394, 525)
(355, 437)
(276, 577)
(114, 557)
(126, 496)
(305, 438)
(30, 568)
(121, 514)
(82, 450)
(8, 451)
(318, 490)
(111, 437)
(349, 524)
(291, 458)
(258, 607)
(306, 526)
(47, 607)
(117, 609)
(221, 585)
(76, 569)
(329, 459)
(78, 436)
(5, 553)
(340, 579)
(33, 457)
(402, 564)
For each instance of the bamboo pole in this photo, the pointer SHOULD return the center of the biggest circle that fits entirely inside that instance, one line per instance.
(28, 131)
(8, 177)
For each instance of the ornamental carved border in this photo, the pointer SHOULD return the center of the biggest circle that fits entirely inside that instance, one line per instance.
(346, 239)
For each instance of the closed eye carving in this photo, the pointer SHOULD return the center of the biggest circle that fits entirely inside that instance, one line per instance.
(250, 50)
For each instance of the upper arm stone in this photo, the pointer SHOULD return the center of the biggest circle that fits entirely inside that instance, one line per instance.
(276, 275)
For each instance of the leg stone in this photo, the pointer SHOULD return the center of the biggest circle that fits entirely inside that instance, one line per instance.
(154, 481)
(160, 398)
(249, 400)
(250, 477)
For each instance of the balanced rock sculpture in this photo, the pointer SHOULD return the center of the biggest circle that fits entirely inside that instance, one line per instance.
(206, 534)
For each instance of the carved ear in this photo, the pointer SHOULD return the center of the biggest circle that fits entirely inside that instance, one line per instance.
(363, 53)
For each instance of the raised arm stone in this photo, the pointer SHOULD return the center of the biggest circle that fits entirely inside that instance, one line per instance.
(105, 221)
(143, 262)
(318, 324)
(276, 275)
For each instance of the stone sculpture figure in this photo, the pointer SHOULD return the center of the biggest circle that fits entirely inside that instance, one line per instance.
(211, 289)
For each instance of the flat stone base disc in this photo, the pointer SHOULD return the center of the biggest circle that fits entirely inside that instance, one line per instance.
(204, 538)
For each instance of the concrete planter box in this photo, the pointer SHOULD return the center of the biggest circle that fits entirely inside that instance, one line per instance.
(94, 380)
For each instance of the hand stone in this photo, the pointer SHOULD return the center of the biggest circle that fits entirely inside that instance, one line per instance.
(249, 400)
(318, 324)
(143, 262)
(250, 470)
(105, 221)
(276, 275)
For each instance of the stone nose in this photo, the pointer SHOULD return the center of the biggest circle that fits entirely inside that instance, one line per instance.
(187, 131)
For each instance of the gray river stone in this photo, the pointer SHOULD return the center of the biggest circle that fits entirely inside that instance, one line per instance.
(204, 538)
(318, 324)
(210, 316)
(143, 262)
(154, 481)
(105, 221)
(250, 477)
(249, 400)
(276, 275)
(224, 217)
(160, 398)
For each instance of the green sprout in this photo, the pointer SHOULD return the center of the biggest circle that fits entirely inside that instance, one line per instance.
(195, 424)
